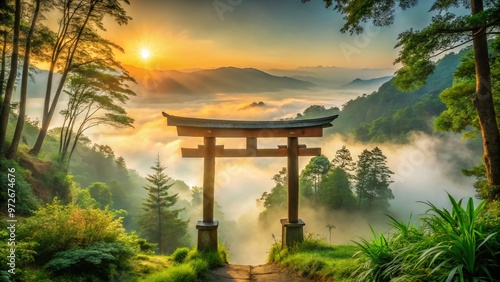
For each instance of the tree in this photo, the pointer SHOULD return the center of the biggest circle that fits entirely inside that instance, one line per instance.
(343, 160)
(373, 179)
(160, 223)
(95, 95)
(276, 200)
(6, 23)
(9, 89)
(315, 111)
(336, 190)
(446, 31)
(314, 171)
(44, 5)
(197, 196)
(77, 43)
(460, 115)
(102, 194)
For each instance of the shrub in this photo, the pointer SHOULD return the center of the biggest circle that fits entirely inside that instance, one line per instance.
(180, 254)
(444, 246)
(23, 190)
(99, 260)
(70, 227)
(214, 259)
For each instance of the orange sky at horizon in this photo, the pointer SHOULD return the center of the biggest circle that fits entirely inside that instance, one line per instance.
(246, 37)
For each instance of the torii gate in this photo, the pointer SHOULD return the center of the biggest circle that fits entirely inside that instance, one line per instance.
(209, 129)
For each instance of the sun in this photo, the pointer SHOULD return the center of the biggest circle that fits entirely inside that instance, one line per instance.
(145, 54)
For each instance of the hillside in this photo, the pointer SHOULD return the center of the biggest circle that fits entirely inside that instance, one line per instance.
(367, 84)
(220, 80)
(389, 114)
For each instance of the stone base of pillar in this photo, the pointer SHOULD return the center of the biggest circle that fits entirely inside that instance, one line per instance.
(207, 235)
(291, 232)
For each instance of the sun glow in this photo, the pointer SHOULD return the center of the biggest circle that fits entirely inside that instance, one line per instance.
(145, 54)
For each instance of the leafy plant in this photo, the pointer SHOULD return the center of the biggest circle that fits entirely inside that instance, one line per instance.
(378, 253)
(70, 227)
(442, 246)
(180, 255)
(463, 245)
(100, 260)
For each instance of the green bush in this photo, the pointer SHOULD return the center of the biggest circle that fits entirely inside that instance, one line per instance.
(444, 246)
(214, 259)
(70, 227)
(180, 255)
(99, 260)
(26, 203)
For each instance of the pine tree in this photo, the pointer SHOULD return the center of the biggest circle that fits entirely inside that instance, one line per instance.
(160, 223)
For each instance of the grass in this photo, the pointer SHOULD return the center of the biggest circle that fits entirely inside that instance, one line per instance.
(315, 258)
(444, 245)
(188, 265)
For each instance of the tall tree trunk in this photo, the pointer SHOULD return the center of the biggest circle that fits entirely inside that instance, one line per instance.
(12, 153)
(484, 105)
(49, 113)
(2, 67)
(4, 115)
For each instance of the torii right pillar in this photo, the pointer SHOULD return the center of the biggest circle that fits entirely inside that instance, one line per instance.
(292, 228)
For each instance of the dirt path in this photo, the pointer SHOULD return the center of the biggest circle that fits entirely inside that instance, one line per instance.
(254, 273)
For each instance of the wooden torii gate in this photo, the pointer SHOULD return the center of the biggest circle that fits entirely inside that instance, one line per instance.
(209, 129)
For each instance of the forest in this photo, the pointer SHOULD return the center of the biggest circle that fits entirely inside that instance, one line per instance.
(72, 210)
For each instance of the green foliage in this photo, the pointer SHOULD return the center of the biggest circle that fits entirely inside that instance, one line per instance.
(98, 163)
(314, 172)
(391, 115)
(379, 254)
(70, 227)
(343, 159)
(98, 261)
(463, 245)
(275, 201)
(445, 246)
(24, 250)
(373, 179)
(191, 265)
(102, 194)
(26, 202)
(316, 259)
(159, 222)
(95, 94)
(316, 111)
(177, 273)
(84, 200)
(335, 192)
(461, 115)
(180, 254)
(213, 259)
(138, 244)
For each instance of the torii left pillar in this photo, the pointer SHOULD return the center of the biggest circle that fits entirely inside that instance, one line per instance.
(292, 228)
(207, 228)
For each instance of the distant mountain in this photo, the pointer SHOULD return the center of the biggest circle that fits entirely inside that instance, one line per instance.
(220, 80)
(332, 76)
(373, 83)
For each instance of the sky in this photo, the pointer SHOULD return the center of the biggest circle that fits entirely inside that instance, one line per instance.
(258, 33)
